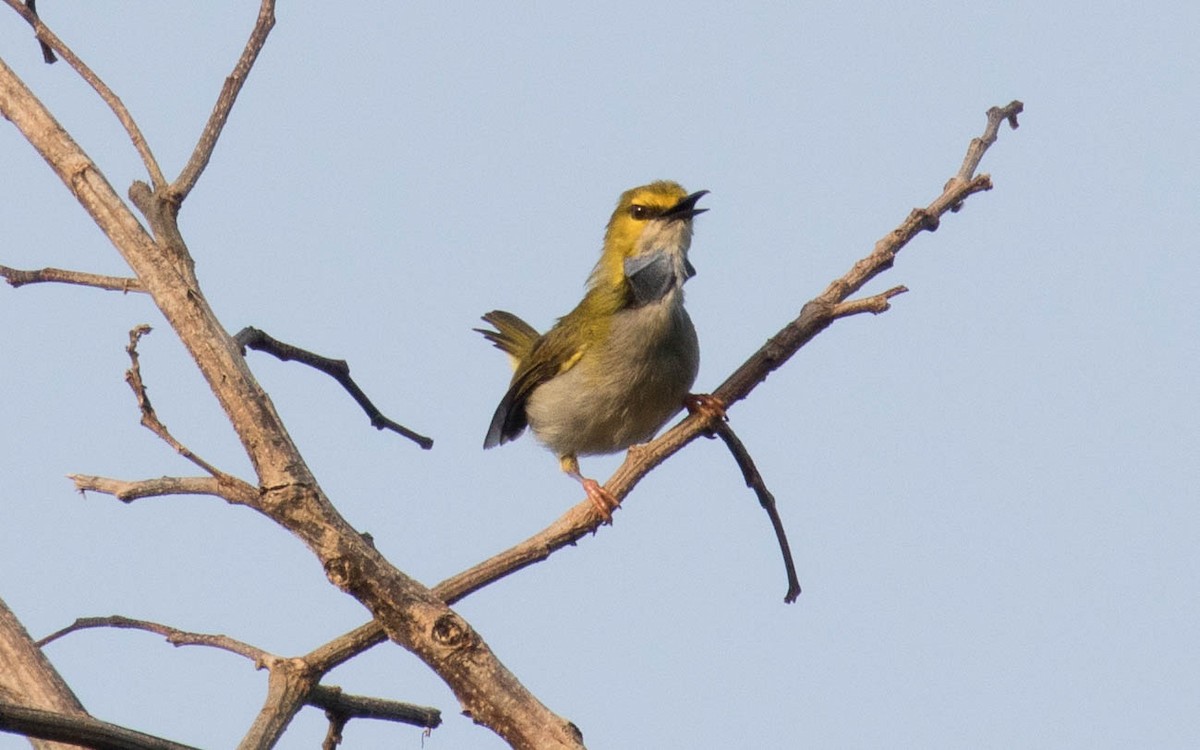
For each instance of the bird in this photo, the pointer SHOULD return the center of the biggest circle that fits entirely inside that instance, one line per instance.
(612, 371)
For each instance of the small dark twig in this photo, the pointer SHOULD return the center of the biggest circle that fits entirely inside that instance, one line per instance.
(755, 482)
(47, 53)
(347, 706)
(253, 338)
(333, 735)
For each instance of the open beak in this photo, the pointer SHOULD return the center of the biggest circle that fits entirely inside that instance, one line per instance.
(686, 208)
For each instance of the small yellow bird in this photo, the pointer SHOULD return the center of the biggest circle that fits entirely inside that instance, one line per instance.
(612, 371)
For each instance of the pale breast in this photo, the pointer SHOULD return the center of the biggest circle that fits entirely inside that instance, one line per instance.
(623, 391)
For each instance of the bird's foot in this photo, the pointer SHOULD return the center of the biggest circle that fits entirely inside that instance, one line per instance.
(707, 406)
(602, 499)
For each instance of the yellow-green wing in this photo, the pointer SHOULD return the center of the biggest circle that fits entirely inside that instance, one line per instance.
(549, 356)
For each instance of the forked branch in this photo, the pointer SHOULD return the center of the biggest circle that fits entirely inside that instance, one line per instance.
(295, 680)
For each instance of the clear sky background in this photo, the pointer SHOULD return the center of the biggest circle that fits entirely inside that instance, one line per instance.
(991, 490)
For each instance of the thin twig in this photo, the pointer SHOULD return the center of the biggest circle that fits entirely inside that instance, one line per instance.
(47, 53)
(49, 38)
(17, 278)
(253, 338)
(187, 179)
(150, 420)
(174, 636)
(755, 482)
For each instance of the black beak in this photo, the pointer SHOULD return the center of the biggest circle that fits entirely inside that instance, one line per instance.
(686, 208)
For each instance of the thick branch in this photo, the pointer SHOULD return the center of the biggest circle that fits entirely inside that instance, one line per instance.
(18, 278)
(81, 731)
(27, 676)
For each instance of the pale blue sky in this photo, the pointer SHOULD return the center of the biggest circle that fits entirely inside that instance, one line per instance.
(991, 490)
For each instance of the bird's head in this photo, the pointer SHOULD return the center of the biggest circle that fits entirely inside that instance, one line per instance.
(653, 218)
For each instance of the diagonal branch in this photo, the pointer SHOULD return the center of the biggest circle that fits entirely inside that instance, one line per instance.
(150, 420)
(18, 278)
(338, 369)
(49, 39)
(83, 731)
(187, 179)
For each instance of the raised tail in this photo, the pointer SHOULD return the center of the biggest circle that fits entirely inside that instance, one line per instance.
(512, 336)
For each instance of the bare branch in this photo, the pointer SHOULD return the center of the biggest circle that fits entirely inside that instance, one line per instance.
(230, 489)
(876, 304)
(299, 674)
(18, 278)
(49, 39)
(346, 647)
(333, 735)
(83, 731)
(28, 676)
(755, 482)
(347, 706)
(253, 338)
(187, 179)
(174, 636)
(150, 420)
(47, 54)
(980, 145)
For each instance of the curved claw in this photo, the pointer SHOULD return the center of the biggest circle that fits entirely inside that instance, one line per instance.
(706, 405)
(602, 499)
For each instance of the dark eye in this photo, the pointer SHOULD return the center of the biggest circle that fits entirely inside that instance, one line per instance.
(639, 212)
